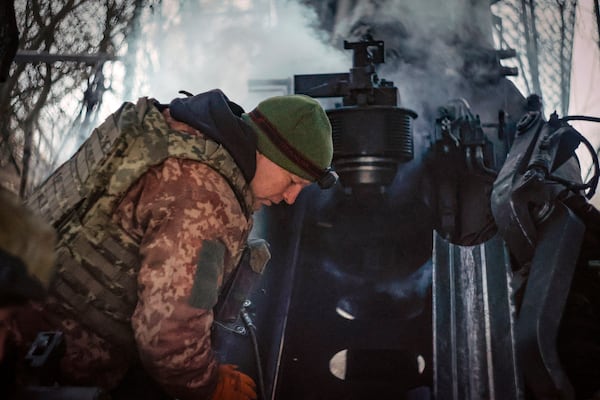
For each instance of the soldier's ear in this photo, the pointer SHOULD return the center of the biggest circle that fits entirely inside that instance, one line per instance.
(260, 159)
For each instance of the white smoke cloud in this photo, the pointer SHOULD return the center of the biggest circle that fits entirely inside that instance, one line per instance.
(201, 45)
(205, 45)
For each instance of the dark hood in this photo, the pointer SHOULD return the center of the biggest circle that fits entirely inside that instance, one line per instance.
(213, 114)
(16, 285)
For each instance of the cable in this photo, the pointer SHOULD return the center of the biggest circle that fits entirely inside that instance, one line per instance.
(584, 118)
(580, 118)
(592, 184)
(252, 329)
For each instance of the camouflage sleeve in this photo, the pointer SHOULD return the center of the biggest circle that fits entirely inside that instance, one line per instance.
(180, 211)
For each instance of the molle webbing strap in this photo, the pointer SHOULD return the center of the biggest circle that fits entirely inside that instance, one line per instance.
(79, 275)
(95, 306)
(65, 188)
(284, 146)
(114, 270)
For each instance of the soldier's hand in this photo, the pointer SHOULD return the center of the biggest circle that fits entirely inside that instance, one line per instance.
(234, 385)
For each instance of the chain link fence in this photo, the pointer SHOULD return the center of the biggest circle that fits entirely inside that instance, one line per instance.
(541, 31)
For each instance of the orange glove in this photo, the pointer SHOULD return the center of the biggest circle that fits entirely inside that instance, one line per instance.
(234, 385)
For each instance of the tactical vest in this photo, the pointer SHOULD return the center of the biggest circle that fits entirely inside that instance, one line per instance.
(96, 280)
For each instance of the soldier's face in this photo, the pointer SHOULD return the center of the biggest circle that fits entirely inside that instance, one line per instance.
(273, 184)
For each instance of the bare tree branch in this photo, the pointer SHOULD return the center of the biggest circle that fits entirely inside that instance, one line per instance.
(33, 98)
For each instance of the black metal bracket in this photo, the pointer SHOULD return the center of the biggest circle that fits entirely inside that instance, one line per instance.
(552, 268)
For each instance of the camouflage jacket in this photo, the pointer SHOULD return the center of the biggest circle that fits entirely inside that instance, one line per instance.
(185, 225)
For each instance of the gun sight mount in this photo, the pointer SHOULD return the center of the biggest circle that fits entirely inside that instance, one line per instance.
(371, 134)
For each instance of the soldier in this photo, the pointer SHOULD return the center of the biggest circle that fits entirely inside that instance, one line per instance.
(26, 266)
(153, 213)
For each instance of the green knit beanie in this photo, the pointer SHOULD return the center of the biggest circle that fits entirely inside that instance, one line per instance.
(294, 132)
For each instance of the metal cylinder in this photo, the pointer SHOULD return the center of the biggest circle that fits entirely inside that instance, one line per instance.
(369, 142)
